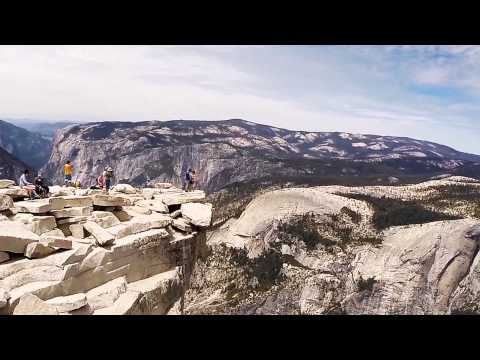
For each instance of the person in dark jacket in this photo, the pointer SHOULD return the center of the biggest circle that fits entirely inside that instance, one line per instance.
(188, 179)
(108, 177)
(193, 180)
(41, 187)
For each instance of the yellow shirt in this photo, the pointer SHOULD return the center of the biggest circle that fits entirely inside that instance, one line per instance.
(67, 169)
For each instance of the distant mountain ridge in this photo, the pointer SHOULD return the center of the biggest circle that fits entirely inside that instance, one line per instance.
(31, 148)
(43, 127)
(229, 151)
(11, 167)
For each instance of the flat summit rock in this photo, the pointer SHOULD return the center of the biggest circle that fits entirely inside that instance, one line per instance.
(15, 237)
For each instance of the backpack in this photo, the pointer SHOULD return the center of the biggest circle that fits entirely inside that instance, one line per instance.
(110, 172)
(188, 176)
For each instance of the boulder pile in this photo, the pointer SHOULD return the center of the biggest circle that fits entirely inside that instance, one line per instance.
(84, 251)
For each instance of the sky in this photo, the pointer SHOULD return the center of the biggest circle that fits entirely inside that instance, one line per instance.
(424, 92)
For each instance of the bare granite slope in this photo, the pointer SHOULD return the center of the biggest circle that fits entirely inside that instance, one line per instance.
(320, 251)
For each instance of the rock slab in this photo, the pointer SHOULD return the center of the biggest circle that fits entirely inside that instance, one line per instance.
(77, 201)
(37, 250)
(72, 212)
(30, 304)
(6, 183)
(56, 242)
(198, 214)
(68, 303)
(108, 200)
(100, 234)
(182, 225)
(15, 238)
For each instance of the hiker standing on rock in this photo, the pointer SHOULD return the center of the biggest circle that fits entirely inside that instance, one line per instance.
(108, 175)
(193, 180)
(28, 186)
(187, 180)
(67, 172)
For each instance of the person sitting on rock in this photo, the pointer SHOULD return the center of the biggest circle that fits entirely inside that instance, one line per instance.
(97, 182)
(28, 186)
(101, 181)
(67, 172)
(41, 187)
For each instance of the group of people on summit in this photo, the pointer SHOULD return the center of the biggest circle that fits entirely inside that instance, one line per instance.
(39, 189)
(102, 182)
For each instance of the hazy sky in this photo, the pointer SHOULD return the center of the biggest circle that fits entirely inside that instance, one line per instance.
(425, 92)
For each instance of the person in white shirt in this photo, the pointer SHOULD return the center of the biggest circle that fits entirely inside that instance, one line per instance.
(25, 184)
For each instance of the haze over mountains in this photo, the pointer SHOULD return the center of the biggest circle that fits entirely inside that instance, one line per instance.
(43, 127)
(30, 147)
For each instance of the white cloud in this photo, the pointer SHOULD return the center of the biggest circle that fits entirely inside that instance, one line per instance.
(355, 89)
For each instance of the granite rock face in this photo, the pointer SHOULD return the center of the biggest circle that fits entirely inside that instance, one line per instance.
(269, 260)
(233, 151)
(417, 269)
